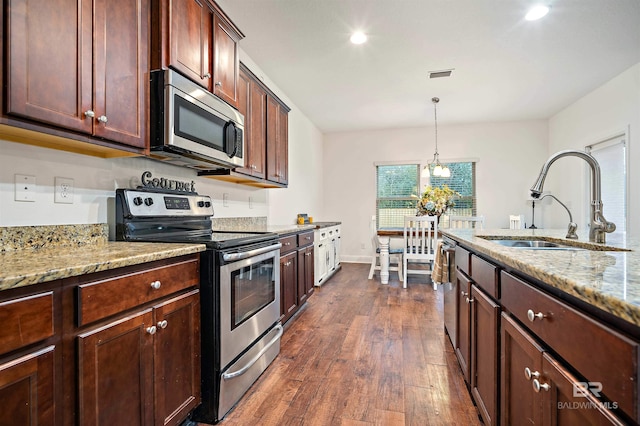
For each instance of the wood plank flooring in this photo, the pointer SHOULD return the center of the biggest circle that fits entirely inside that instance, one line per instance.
(362, 353)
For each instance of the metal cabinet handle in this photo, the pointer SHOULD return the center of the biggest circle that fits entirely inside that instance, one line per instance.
(89, 113)
(470, 300)
(308, 254)
(103, 119)
(151, 330)
(218, 84)
(163, 324)
(529, 374)
(156, 285)
(532, 315)
(537, 386)
(287, 244)
(463, 293)
(207, 75)
(287, 264)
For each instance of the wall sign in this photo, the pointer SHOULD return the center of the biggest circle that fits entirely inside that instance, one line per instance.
(148, 181)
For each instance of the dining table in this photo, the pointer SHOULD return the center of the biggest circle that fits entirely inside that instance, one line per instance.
(384, 239)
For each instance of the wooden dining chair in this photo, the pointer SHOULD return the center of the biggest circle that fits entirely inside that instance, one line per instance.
(458, 222)
(420, 243)
(516, 221)
(395, 254)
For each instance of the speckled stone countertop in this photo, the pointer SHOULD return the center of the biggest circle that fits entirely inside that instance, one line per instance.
(32, 255)
(604, 276)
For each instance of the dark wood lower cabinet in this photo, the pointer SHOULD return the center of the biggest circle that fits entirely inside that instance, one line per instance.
(288, 285)
(305, 274)
(27, 389)
(463, 340)
(485, 319)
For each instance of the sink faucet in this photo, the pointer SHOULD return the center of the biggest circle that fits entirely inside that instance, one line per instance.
(571, 231)
(598, 224)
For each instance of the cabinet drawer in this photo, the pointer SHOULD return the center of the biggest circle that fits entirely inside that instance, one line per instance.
(26, 320)
(597, 352)
(100, 299)
(463, 260)
(305, 239)
(485, 275)
(289, 244)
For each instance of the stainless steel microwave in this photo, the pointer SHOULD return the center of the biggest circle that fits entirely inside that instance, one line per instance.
(191, 127)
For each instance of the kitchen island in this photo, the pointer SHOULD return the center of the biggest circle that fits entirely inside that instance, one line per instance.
(550, 333)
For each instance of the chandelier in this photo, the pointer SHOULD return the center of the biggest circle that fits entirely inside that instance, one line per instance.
(438, 169)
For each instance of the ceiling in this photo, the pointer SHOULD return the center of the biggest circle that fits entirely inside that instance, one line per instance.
(505, 68)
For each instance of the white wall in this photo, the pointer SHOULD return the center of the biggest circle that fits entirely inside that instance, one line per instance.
(612, 108)
(96, 179)
(509, 157)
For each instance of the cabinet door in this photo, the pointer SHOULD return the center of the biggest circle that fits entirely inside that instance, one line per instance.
(463, 349)
(283, 146)
(27, 389)
(225, 61)
(177, 358)
(568, 401)
(121, 66)
(49, 67)
(115, 375)
(273, 174)
(521, 362)
(191, 36)
(309, 270)
(252, 103)
(302, 289)
(289, 285)
(322, 261)
(485, 320)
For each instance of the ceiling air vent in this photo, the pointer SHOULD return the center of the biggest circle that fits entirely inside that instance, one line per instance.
(441, 73)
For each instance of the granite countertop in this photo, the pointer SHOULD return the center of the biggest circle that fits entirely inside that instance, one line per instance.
(604, 276)
(36, 254)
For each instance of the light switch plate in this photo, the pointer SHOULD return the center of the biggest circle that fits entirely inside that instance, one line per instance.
(25, 188)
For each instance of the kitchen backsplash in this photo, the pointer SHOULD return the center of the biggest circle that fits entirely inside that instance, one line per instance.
(239, 223)
(35, 237)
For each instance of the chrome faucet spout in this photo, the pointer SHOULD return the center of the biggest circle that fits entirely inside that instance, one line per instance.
(571, 230)
(598, 225)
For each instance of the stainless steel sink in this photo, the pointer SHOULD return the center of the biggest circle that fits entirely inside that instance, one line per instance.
(534, 245)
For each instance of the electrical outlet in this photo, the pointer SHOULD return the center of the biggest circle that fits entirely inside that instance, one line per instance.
(25, 187)
(225, 199)
(63, 190)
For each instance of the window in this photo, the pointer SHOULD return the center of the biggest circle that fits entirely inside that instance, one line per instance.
(612, 158)
(398, 187)
(396, 193)
(462, 180)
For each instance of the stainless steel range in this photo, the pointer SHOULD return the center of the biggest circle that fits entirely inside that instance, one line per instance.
(239, 290)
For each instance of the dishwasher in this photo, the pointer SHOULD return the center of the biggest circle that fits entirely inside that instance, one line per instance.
(450, 290)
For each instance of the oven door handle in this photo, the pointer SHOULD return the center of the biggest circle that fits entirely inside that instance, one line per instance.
(255, 359)
(246, 254)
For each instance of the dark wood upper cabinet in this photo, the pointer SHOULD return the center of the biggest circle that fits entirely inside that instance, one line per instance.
(252, 103)
(225, 60)
(196, 38)
(92, 78)
(277, 141)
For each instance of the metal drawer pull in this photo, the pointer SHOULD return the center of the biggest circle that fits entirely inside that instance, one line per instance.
(463, 294)
(90, 113)
(163, 324)
(529, 374)
(156, 285)
(207, 75)
(151, 330)
(470, 300)
(532, 316)
(537, 386)
(218, 83)
(255, 359)
(103, 119)
(308, 254)
(287, 264)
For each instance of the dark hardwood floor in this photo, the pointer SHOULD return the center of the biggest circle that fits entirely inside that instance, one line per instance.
(362, 353)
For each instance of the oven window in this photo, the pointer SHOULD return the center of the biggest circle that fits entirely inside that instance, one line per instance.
(196, 124)
(252, 288)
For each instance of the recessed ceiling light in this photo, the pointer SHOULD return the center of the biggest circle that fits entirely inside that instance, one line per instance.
(536, 12)
(358, 38)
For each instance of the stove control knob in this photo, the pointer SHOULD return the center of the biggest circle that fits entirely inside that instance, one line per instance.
(200, 203)
(137, 201)
(148, 201)
(207, 203)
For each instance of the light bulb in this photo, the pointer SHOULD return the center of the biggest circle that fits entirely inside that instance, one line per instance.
(437, 170)
(425, 172)
(536, 12)
(358, 38)
(446, 172)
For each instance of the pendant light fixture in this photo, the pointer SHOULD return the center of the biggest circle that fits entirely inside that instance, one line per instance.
(438, 169)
